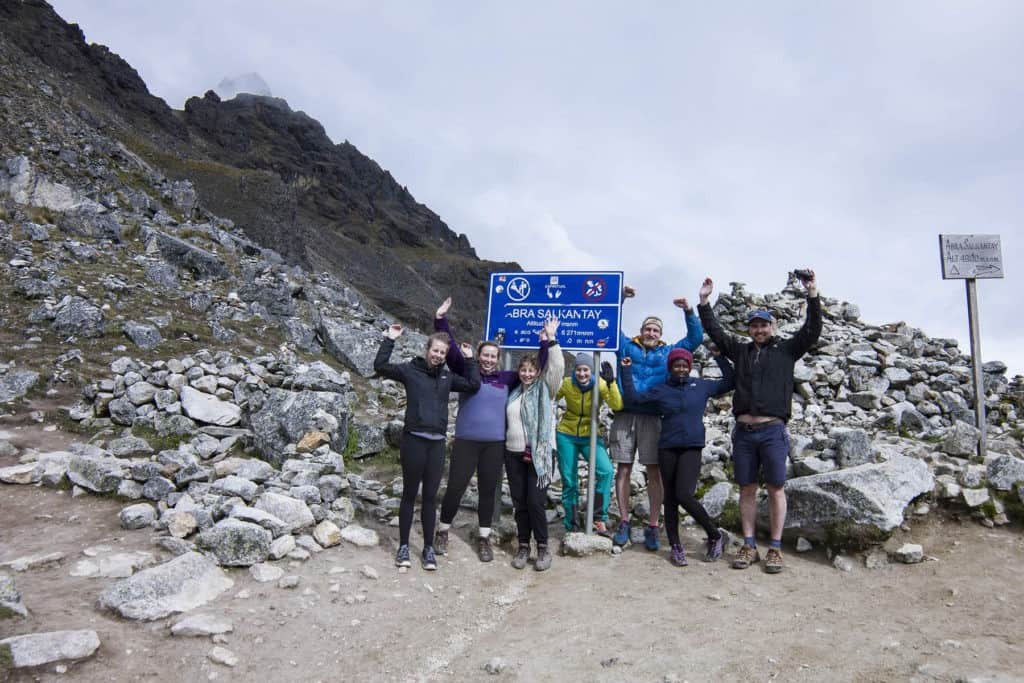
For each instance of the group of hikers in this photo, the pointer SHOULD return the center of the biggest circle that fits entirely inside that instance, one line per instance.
(508, 419)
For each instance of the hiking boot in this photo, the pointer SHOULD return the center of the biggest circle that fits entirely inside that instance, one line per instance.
(600, 527)
(428, 560)
(621, 537)
(522, 556)
(678, 556)
(402, 557)
(543, 558)
(651, 538)
(441, 542)
(745, 557)
(714, 548)
(773, 561)
(483, 549)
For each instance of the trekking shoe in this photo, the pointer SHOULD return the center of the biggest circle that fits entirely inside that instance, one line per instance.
(483, 549)
(600, 527)
(428, 560)
(402, 557)
(441, 542)
(543, 558)
(678, 556)
(651, 538)
(714, 548)
(621, 537)
(521, 556)
(773, 561)
(745, 557)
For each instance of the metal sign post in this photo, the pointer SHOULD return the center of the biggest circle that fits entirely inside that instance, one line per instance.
(969, 258)
(595, 399)
(588, 305)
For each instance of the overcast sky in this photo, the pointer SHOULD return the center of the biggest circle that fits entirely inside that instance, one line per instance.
(736, 141)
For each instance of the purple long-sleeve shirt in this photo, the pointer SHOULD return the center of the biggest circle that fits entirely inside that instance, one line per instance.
(482, 413)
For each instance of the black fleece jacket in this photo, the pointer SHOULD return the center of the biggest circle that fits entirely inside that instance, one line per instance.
(426, 388)
(764, 374)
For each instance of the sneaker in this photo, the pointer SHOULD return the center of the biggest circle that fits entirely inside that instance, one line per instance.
(651, 538)
(543, 558)
(714, 548)
(428, 560)
(521, 556)
(745, 557)
(402, 557)
(483, 549)
(678, 556)
(441, 542)
(773, 561)
(621, 537)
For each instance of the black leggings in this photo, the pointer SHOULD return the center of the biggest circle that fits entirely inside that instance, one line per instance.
(680, 469)
(483, 457)
(422, 462)
(528, 500)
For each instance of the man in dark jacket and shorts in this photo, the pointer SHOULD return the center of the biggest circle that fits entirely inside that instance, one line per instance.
(762, 405)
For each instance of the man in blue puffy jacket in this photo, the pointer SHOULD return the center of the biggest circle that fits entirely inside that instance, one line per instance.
(636, 428)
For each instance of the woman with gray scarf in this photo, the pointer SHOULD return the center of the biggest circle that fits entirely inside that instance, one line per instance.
(529, 443)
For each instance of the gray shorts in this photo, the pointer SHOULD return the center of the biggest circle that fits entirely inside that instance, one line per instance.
(632, 432)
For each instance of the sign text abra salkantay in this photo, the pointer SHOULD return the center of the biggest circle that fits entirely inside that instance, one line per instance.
(971, 256)
(587, 303)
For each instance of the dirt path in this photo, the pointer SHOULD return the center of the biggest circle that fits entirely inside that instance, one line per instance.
(627, 618)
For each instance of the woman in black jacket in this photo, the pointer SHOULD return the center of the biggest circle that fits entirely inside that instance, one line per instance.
(427, 384)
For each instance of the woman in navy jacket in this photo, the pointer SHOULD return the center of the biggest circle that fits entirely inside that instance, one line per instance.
(681, 400)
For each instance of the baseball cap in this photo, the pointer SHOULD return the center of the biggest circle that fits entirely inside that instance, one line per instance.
(759, 315)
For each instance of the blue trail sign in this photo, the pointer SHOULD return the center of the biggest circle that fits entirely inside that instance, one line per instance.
(587, 303)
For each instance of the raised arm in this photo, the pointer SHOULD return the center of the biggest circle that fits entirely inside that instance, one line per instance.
(610, 388)
(809, 332)
(382, 364)
(556, 360)
(631, 395)
(454, 356)
(694, 331)
(727, 343)
(470, 381)
(717, 387)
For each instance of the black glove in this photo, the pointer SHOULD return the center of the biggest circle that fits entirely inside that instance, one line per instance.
(607, 373)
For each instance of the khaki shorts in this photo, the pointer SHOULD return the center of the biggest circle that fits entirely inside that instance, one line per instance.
(632, 432)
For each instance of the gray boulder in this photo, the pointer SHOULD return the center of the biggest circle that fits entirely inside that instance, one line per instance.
(872, 495)
(88, 222)
(715, 499)
(16, 383)
(37, 649)
(75, 316)
(236, 543)
(1004, 472)
(203, 264)
(10, 598)
(286, 416)
(961, 440)
(143, 335)
(203, 407)
(353, 346)
(853, 447)
(319, 376)
(577, 544)
(184, 583)
(99, 475)
(162, 274)
(293, 513)
(137, 516)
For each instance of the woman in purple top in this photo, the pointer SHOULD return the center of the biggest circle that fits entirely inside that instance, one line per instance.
(479, 436)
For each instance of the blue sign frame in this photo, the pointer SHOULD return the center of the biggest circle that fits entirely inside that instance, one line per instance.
(588, 303)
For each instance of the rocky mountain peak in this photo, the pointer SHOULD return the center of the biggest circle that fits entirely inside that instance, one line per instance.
(250, 83)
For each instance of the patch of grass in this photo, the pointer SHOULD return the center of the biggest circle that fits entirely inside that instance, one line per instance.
(156, 440)
(6, 661)
(384, 465)
(1012, 503)
(846, 536)
(64, 423)
(7, 613)
(730, 517)
(351, 444)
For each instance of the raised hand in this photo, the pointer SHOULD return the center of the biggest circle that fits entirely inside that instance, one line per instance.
(628, 292)
(683, 303)
(442, 310)
(705, 290)
(626, 361)
(551, 327)
(607, 373)
(394, 331)
(466, 349)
